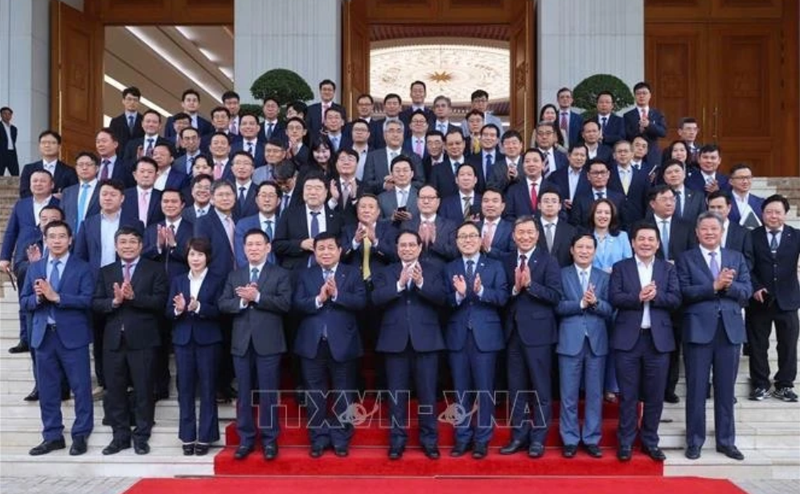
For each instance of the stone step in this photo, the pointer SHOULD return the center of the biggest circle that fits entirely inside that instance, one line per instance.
(745, 411)
(166, 410)
(758, 464)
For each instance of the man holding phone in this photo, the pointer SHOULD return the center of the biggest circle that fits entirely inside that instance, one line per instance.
(400, 203)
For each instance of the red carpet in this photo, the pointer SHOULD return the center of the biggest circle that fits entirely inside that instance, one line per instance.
(618, 485)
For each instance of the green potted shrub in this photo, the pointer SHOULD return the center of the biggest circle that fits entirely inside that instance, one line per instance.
(283, 85)
(585, 93)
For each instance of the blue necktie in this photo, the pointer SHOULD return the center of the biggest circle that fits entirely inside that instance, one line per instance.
(713, 265)
(130, 123)
(314, 233)
(268, 231)
(242, 198)
(254, 275)
(470, 272)
(55, 281)
(584, 281)
(678, 204)
(489, 164)
(665, 239)
(82, 204)
(269, 130)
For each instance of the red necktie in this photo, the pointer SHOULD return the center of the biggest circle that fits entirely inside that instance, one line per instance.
(564, 124)
(534, 197)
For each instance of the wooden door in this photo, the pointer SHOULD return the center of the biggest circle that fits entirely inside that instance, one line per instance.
(523, 94)
(744, 92)
(76, 78)
(355, 54)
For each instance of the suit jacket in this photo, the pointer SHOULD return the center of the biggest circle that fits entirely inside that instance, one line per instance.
(260, 323)
(375, 140)
(177, 179)
(4, 140)
(561, 161)
(479, 314)
(405, 116)
(653, 132)
(259, 159)
(72, 314)
(634, 205)
(780, 270)
(380, 255)
(69, 204)
(499, 176)
(337, 318)
(443, 178)
(347, 210)
(119, 125)
(478, 162)
(173, 260)
(88, 240)
(132, 148)
(702, 305)
(292, 230)
(180, 165)
(694, 203)
(388, 203)
(681, 238)
(202, 327)
(122, 172)
(376, 168)
(64, 176)
(408, 147)
(695, 181)
(452, 207)
(249, 208)
(738, 238)
(203, 127)
(576, 323)
(531, 313)
(243, 226)
(443, 248)
(518, 199)
(614, 130)
(562, 240)
(623, 293)
(130, 207)
(503, 241)
(139, 317)
(755, 203)
(210, 227)
(559, 180)
(315, 118)
(412, 315)
(582, 205)
(21, 230)
(278, 132)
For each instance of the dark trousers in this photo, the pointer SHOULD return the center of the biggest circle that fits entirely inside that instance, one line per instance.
(197, 367)
(674, 359)
(98, 328)
(399, 369)
(120, 367)
(52, 357)
(786, 332)
(259, 381)
(642, 364)
(162, 376)
(529, 388)
(723, 356)
(225, 376)
(473, 379)
(324, 428)
(9, 161)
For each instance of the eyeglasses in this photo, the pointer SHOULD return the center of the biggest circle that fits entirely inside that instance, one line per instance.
(427, 198)
(599, 173)
(468, 236)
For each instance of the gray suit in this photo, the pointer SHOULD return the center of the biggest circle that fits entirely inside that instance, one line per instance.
(388, 203)
(376, 167)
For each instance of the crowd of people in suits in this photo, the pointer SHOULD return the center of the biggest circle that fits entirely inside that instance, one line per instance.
(581, 265)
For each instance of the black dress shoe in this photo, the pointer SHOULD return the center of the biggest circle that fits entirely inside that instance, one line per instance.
(569, 450)
(341, 451)
(78, 446)
(242, 452)
(200, 449)
(594, 451)
(47, 446)
(21, 347)
(731, 452)
(65, 395)
(188, 449)
(654, 453)
(624, 453)
(316, 450)
(141, 447)
(271, 451)
(480, 451)
(692, 452)
(164, 395)
(459, 449)
(536, 450)
(116, 446)
(513, 447)
(432, 452)
(671, 398)
(396, 452)
(33, 395)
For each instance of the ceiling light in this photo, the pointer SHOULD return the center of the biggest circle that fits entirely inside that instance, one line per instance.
(148, 103)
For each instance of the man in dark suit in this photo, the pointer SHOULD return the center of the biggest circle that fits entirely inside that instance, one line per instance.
(128, 124)
(368, 244)
(8, 143)
(476, 290)
(58, 291)
(443, 177)
(143, 202)
(688, 129)
(632, 183)
(746, 209)
(484, 161)
(646, 121)
(710, 178)
(522, 198)
(569, 121)
(546, 140)
(400, 202)
(168, 177)
(272, 127)
(346, 188)
(715, 284)
(111, 165)
(557, 233)
(645, 290)
(286, 177)
(734, 236)
(50, 149)
(598, 173)
(190, 103)
(442, 109)
(376, 168)
(257, 294)
(365, 105)
(410, 294)
(688, 203)
(242, 168)
(268, 196)
(417, 92)
(535, 293)
(776, 249)
(582, 347)
(82, 200)
(249, 140)
(417, 130)
(611, 125)
(571, 181)
(437, 233)
(146, 144)
(190, 142)
(132, 293)
(593, 140)
(496, 241)
(315, 114)
(294, 238)
(328, 295)
(466, 204)
(505, 172)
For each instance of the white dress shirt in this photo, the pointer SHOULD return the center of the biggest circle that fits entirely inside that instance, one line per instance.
(645, 271)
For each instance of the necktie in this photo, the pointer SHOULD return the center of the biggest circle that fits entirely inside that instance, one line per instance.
(149, 151)
(232, 129)
(131, 121)
(466, 206)
(476, 145)
(603, 123)
(456, 164)
(470, 272)
(189, 164)
(548, 236)
(488, 236)
(126, 274)
(365, 271)
(584, 281)
(599, 195)
(403, 200)
(564, 122)
(284, 202)
(200, 212)
(713, 265)
(143, 207)
(335, 142)
(268, 228)
(534, 198)
(55, 281)
(418, 147)
(254, 275)
(636, 166)
(217, 170)
(773, 244)
(442, 128)
(546, 171)
(644, 114)
(665, 238)
(678, 204)
(228, 224)
(172, 229)
(392, 155)
(626, 181)
(269, 130)
(82, 203)
(314, 224)
(242, 197)
(104, 172)
(250, 149)
(487, 172)
(523, 259)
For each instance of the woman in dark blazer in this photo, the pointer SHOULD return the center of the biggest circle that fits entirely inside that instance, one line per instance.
(197, 339)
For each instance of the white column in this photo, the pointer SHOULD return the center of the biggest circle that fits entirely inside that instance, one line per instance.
(304, 36)
(580, 38)
(25, 69)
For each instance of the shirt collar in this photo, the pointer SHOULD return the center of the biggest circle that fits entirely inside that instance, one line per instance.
(641, 263)
(527, 254)
(554, 221)
(176, 223)
(706, 252)
(259, 267)
(473, 258)
(199, 277)
(262, 218)
(63, 259)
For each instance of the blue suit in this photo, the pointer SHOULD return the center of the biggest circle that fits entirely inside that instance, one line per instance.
(531, 330)
(518, 199)
(210, 227)
(258, 158)
(582, 349)
(452, 207)
(502, 242)
(203, 127)
(130, 207)
(560, 180)
(173, 259)
(474, 336)
(696, 181)
(575, 126)
(243, 226)
(88, 240)
(561, 160)
(642, 355)
(656, 129)
(411, 338)
(713, 332)
(21, 230)
(63, 345)
(613, 131)
(69, 203)
(755, 203)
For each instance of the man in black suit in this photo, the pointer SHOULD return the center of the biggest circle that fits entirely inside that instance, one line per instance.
(232, 102)
(611, 125)
(285, 176)
(376, 167)
(629, 181)
(496, 241)
(571, 181)
(190, 102)
(442, 107)
(546, 140)
(734, 236)
(569, 121)
(272, 127)
(143, 202)
(484, 161)
(645, 120)
(443, 177)
(49, 149)
(434, 152)
(437, 233)
(688, 203)
(146, 144)
(598, 174)
(417, 92)
(257, 295)
(556, 237)
(8, 144)
(592, 139)
(506, 172)
(776, 249)
(365, 105)
(111, 164)
(346, 188)
(81, 200)
(242, 169)
(128, 124)
(688, 129)
(132, 293)
(315, 114)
